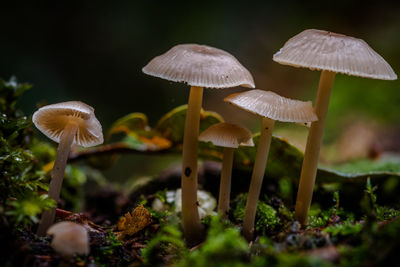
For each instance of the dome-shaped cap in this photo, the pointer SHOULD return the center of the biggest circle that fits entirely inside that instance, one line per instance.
(52, 119)
(273, 106)
(69, 238)
(322, 50)
(227, 135)
(200, 65)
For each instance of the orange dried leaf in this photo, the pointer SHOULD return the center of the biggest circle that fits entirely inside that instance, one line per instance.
(156, 142)
(135, 221)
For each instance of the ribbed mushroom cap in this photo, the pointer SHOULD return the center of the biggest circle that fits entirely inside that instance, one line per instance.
(200, 65)
(227, 135)
(52, 119)
(69, 238)
(273, 106)
(323, 50)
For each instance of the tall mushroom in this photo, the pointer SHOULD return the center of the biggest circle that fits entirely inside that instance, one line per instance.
(271, 107)
(330, 53)
(229, 136)
(199, 66)
(66, 123)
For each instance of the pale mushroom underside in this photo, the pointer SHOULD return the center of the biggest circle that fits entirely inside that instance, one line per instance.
(322, 50)
(271, 105)
(51, 120)
(201, 66)
(227, 135)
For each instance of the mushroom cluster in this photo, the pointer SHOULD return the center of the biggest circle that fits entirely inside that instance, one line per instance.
(199, 66)
(271, 107)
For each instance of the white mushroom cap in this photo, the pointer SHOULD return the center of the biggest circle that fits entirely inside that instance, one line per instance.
(69, 238)
(271, 105)
(227, 135)
(52, 119)
(200, 65)
(323, 50)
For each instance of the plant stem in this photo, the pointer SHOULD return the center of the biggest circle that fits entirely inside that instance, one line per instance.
(257, 177)
(311, 155)
(57, 175)
(190, 216)
(225, 185)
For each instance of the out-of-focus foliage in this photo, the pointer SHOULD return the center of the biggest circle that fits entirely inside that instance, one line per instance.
(139, 136)
(21, 175)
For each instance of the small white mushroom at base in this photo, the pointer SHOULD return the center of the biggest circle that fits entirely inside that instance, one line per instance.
(69, 239)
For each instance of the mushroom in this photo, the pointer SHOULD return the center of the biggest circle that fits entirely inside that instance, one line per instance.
(229, 136)
(199, 66)
(330, 53)
(69, 239)
(66, 123)
(271, 107)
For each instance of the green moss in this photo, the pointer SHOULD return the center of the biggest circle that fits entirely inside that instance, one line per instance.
(344, 229)
(376, 246)
(385, 213)
(318, 217)
(224, 246)
(166, 247)
(266, 216)
(21, 177)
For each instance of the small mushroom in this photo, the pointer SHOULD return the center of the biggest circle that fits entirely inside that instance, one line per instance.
(199, 66)
(330, 53)
(66, 123)
(271, 107)
(69, 239)
(229, 136)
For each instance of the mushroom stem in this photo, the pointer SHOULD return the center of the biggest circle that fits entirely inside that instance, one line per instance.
(190, 215)
(311, 155)
(225, 185)
(257, 177)
(57, 175)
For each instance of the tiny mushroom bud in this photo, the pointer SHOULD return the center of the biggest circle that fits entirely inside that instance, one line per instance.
(330, 53)
(229, 136)
(69, 239)
(199, 66)
(271, 107)
(66, 123)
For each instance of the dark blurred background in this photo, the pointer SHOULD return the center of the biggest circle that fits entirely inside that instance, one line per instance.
(94, 51)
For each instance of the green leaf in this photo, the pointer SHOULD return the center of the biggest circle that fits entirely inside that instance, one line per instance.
(129, 123)
(360, 170)
(172, 124)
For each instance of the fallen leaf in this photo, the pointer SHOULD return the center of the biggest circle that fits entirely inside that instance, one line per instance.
(133, 222)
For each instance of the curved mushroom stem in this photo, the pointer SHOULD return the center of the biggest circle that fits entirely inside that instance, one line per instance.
(311, 155)
(225, 185)
(57, 175)
(190, 215)
(257, 177)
